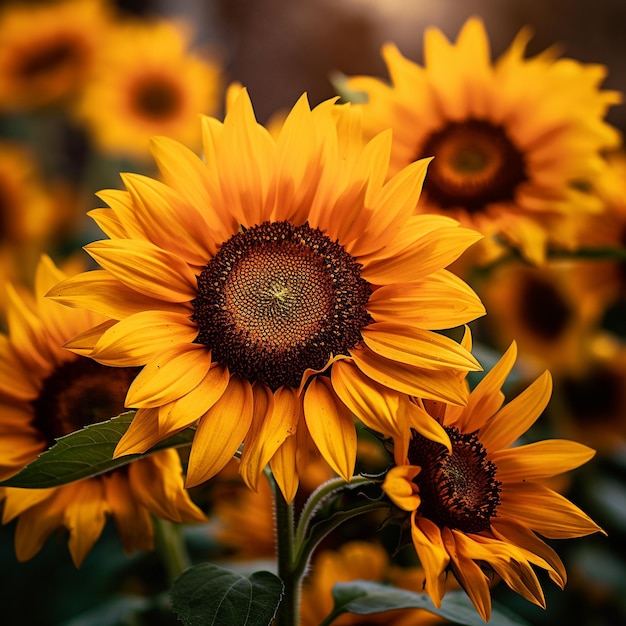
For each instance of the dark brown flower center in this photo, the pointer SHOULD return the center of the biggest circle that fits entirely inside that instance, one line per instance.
(543, 309)
(48, 58)
(457, 490)
(80, 392)
(278, 299)
(157, 98)
(475, 164)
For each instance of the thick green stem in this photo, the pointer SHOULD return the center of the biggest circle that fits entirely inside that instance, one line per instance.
(171, 548)
(288, 611)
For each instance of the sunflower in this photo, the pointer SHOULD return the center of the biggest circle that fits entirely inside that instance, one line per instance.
(28, 215)
(547, 310)
(359, 560)
(273, 290)
(148, 81)
(46, 392)
(513, 140)
(481, 507)
(48, 50)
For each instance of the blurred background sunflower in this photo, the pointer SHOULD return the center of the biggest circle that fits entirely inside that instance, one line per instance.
(83, 85)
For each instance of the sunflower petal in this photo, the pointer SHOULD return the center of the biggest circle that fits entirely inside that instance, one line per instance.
(541, 459)
(331, 426)
(401, 488)
(169, 375)
(220, 432)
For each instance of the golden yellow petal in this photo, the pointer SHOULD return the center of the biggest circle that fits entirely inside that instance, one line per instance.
(283, 465)
(487, 398)
(432, 554)
(132, 520)
(33, 527)
(400, 488)
(414, 346)
(190, 407)
(85, 516)
(141, 435)
(545, 511)
(98, 291)
(331, 426)
(515, 533)
(470, 576)
(541, 459)
(430, 253)
(169, 375)
(134, 340)
(516, 417)
(220, 432)
(146, 268)
(279, 422)
(440, 301)
(434, 385)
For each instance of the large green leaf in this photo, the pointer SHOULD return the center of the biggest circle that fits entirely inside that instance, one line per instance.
(364, 598)
(86, 452)
(209, 594)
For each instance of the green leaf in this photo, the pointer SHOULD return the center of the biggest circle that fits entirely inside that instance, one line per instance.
(364, 598)
(208, 594)
(86, 452)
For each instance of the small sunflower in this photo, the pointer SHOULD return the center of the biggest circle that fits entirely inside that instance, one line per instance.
(359, 560)
(274, 290)
(481, 507)
(148, 81)
(46, 392)
(512, 140)
(48, 50)
(547, 310)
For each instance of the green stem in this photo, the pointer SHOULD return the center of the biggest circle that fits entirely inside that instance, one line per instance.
(171, 548)
(289, 608)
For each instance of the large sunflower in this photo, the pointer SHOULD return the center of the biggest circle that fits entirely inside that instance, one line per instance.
(479, 509)
(275, 289)
(48, 50)
(512, 140)
(148, 81)
(46, 392)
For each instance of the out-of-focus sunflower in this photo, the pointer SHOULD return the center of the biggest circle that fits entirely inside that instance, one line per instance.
(149, 81)
(512, 140)
(274, 290)
(362, 560)
(592, 400)
(28, 216)
(483, 507)
(46, 392)
(48, 50)
(546, 310)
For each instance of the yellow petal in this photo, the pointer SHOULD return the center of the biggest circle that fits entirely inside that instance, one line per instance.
(401, 489)
(413, 346)
(434, 385)
(141, 435)
(220, 432)
(331, 426)
(440, 301)
(98, 291)
(144, 267)
(187, 409)
(168, 376)
(279, 422)
(541, 459)
(432, 554)
(283, 465)
(135, 339)
(545, 511)
(516, 417)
